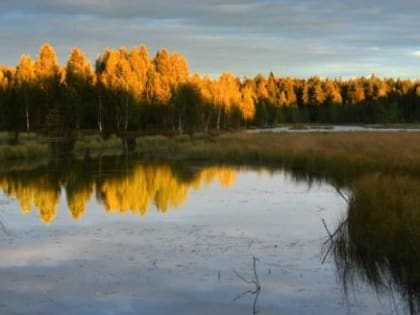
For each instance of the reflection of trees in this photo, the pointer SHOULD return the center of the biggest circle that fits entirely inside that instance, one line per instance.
(133, 188)
(380, 240)
(148, 184)
(78, 194)
(42, 192)
(144, 185)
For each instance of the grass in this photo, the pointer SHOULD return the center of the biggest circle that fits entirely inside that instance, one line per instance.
(24, 138)
(31, 145)
(378, 239)
(95, 145)
(342, 155)
(23, 151)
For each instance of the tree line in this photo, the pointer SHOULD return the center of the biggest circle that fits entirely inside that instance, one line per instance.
(127, 90)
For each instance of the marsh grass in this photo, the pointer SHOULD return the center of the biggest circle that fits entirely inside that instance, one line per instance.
(95, 145)
(23, 151)
(345, 153)
(6, 138)
(182, 138)
(156, 147)
(379, 240)
(28, 146)
(339, 156)
(342, 154)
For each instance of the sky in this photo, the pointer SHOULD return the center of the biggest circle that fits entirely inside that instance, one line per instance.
(289, 37)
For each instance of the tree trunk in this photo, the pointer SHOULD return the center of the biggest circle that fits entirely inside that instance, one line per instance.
(206, 126)
(78, 114)
(179, 123)
(126, 112)
(100, 112)
(28, 127)
(219, 117)
(48, 99)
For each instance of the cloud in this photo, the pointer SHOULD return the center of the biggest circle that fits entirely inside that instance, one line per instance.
(325, 37)
(416, 53)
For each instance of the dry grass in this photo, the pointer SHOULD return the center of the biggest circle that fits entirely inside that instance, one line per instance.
(378, 242)
(94, 145)
(352, 152)
(23, 151)
(342, 154)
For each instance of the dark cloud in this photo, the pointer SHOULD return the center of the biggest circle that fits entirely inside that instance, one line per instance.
(328, 38)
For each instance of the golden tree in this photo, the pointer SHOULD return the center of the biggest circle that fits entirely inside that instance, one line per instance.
(47, 70)
(247, 106)
(80, 80)
(25, 79)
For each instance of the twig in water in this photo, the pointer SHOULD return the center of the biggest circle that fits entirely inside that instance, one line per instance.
(330, 238)
(337, 189)
(326, 228)
(335, 232)
(327, 253)
(255, 282)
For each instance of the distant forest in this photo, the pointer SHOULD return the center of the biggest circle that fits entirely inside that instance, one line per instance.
(129, 91)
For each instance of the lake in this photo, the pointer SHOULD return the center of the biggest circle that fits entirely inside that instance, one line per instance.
(333, 129)
(116, 236)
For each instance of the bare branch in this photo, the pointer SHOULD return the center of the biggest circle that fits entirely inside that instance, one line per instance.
(242, 278)
(337, 189)
(335, 232)
(255, 282)
(243, 294)
(326, 228)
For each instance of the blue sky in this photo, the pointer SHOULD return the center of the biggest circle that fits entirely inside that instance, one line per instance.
(292, 38)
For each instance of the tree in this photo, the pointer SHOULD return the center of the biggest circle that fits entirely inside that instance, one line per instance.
(247, 104)
(356, 92)
(114, 74)
(47, 72)
(141, 66)
(47, 69)
(206, 108)
(187, 99)
(162, 80)
(332, 93)
(25, 80)
(8, 120)
(227, 96)
(80, 80)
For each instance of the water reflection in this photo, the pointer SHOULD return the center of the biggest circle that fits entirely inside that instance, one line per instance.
(119, 187)
(379, 241)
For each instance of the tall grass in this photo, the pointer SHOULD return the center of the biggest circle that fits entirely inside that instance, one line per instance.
(23, 151)
(7, 138)
(95, 145)
(324, 152)
(378, 241)
(342, 154)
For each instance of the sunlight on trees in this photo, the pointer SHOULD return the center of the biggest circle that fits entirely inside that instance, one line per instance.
(130, 91)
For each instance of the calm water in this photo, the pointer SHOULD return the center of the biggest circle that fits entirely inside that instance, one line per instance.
(332, 128)
(122, 237)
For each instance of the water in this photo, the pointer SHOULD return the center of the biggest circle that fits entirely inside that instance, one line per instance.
(122, 237)
(332, 128)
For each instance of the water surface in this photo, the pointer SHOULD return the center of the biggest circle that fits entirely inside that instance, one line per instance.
(122, 237)
(335, 128)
